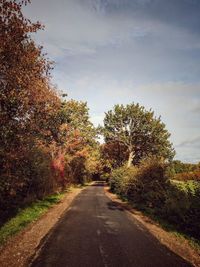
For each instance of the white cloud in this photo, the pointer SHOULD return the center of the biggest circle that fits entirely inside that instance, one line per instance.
(114, 56)
(75, 27)
(194, 142)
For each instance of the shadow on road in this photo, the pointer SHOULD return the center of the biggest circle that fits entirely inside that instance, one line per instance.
(114, 206)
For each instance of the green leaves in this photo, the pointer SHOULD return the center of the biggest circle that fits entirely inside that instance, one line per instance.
(76, 114)
(138, 130)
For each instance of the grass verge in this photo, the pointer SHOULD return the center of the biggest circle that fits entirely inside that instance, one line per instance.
(27, 215)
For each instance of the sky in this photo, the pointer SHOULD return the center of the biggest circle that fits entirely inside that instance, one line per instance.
(109, 52)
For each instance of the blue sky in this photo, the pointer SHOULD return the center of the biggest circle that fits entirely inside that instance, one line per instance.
(121, 51)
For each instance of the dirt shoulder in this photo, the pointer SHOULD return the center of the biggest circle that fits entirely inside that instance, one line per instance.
(20, 248)
(178, 245)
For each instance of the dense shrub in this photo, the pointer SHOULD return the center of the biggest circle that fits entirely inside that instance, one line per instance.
(149, 188)
(121, 180)
(144, 184)
(30, 177)
(182, 206)
(152, 182)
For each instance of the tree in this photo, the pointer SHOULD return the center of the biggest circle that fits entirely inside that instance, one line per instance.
(74, 143)
(26, 97)
(114, 152)
(27, 102)
(139, 131)
(76, 115)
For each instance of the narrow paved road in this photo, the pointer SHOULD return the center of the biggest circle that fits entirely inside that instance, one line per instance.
(95, 232)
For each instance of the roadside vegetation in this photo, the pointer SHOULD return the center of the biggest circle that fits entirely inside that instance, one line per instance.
(47, 143)
(27, 215)
(175, 204)
(140, 169)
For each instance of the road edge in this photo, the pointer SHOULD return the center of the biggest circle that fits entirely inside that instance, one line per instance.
(180, 246)
(21, 249)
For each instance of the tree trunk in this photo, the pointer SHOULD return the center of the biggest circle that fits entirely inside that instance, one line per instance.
(130, 159)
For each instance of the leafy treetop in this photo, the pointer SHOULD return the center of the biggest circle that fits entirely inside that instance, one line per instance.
(139, 131)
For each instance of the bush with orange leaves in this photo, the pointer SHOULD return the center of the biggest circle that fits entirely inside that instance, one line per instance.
(187, 176)
(68, 159)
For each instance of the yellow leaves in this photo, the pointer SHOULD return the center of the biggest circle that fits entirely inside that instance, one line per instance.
(82, 153)
(64, 127)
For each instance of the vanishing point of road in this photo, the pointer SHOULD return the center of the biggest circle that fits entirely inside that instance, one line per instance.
(96, 232)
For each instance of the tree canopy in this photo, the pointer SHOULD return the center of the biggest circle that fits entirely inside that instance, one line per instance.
(139, 131)
(45, 142)
(76, 114)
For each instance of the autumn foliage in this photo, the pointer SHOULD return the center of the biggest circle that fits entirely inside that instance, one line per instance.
(188, 176)
(43, 144)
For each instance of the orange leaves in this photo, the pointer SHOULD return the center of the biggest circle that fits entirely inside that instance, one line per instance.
(114, 152)
(82, 153)
(64, 127)
(28, 102)
(44, 143)
(187, 176)
(58, 164)
(27, 98)
(70, 149)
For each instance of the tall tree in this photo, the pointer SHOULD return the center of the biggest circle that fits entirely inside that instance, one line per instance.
(139, 131)
(26, 97)
(27, 102)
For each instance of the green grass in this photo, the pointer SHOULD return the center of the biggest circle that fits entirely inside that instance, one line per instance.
(28, 215)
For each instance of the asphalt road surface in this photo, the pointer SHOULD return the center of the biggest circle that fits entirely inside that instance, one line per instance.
(96, 232)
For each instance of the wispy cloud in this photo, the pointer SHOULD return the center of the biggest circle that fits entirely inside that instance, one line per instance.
(194, 142)
(79, 27)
